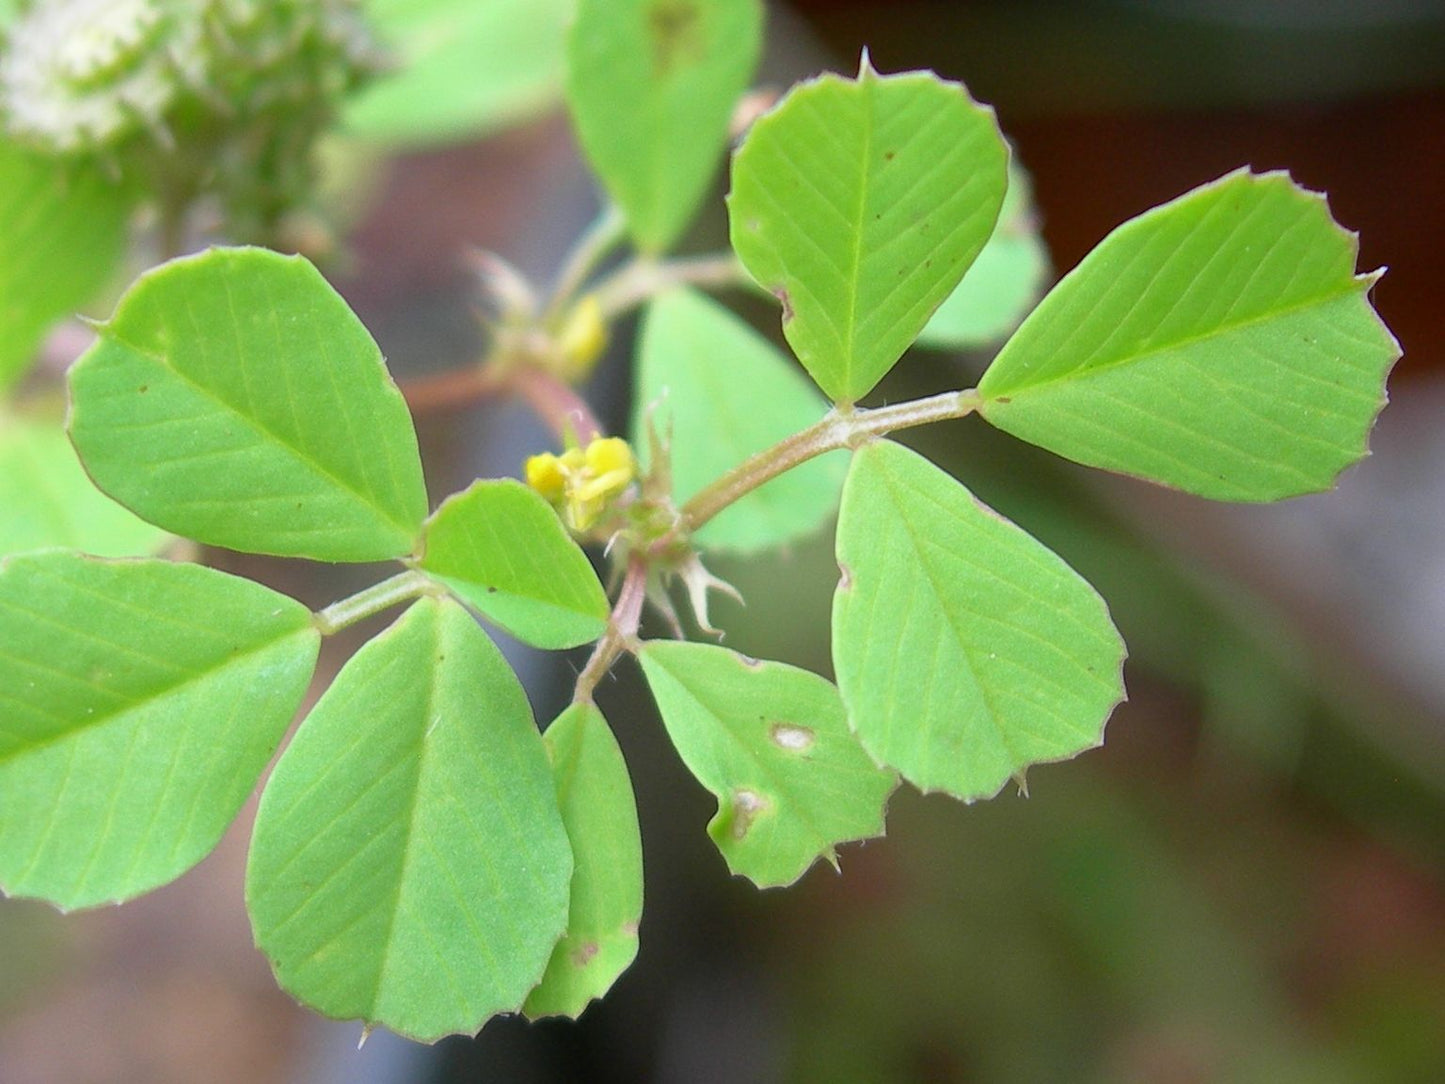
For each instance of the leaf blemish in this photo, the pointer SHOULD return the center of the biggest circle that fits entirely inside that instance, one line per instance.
(747, 805)
(582, 955)
(781, 293)
(845, 578)
(790, 736)
(673, 28)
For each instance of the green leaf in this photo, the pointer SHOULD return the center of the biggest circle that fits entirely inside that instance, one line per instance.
(409, 866)
(727, 393)
(965, 650)
(462, 68)
(1221, 343)
(62, 234)
(50, 503)
(1003, 283)
(860, 204)
(652, 85)
(595, 794)
(772, 743)
(501, 548)
(235, 399)
(139, 703)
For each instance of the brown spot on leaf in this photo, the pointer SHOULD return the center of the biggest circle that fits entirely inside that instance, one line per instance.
(582, 955)
(675, 32)
(792, 737)
(781, 293)
(845, 578)
(888, 155)
(144, 388)
(747, 805)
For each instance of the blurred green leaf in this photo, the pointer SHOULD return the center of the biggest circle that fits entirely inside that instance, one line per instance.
(1003, 283)
(965, 650)
(726, 393)
(772, 743)
(142, 699)
(503, 550)
(409, 866)
(62, 235)
(860, 204)
(1221, 343)
(49, 502)
(595, 794)
(463, 68)
(652, 85)
(235, 398)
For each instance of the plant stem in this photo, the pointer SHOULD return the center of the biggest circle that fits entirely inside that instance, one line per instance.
(400, 588)
(621, 631)
(840, 428)
(639, 279)
(556, 402)
(606, 233)
(451, 389)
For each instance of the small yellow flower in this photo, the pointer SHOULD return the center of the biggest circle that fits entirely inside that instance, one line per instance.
(583, 483)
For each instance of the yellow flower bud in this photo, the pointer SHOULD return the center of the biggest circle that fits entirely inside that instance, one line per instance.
(583, 337)
(545, 475)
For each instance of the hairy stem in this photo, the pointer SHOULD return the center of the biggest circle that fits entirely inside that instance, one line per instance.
(400, 588)
(840, 428)
(621, 631)
(605, 234)
(644, 277)
(452, 389)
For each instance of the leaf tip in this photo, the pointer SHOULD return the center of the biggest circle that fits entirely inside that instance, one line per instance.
(866, 70)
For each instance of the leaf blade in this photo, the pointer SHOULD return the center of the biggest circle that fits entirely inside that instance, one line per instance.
(444, 915)
(965, 650)
(651, 86)
(234, 398)
(771, 742)
(595, 795)
(62, 235)
(468, 68)
(731, 394)
(50, 503)
(1221, 343)
(1004, 282)
(861, 217)
(501, 548)
(117, 770)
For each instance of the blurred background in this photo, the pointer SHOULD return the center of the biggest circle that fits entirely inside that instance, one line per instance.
(1247, 883)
